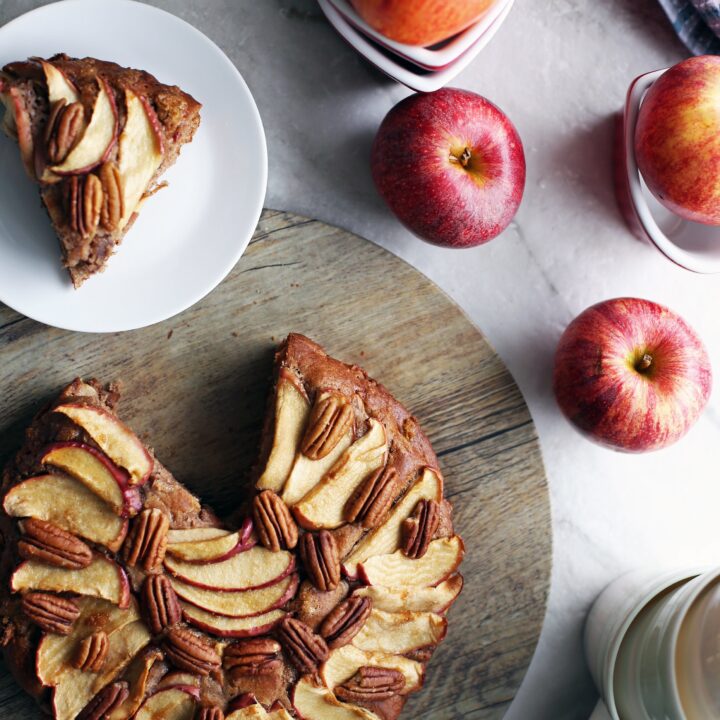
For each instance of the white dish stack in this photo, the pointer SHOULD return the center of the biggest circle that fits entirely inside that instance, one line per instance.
(420, 68)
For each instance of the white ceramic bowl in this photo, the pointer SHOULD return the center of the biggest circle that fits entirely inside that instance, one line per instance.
(430, 58)
(690, 245)
(419, 80)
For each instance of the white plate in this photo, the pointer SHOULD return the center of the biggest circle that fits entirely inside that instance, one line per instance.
(430, 58)
(188, 236)
(420, 81)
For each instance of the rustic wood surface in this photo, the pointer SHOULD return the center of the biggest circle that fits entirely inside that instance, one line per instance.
(196, 388)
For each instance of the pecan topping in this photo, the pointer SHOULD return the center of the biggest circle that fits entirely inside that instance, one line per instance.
(210, 713)
(52, 545)
(372, 499)
(85, 204)
(371, 684)
(419, 528)
(92, 652)
(107, 700)
(306, 649)
(113, 207)
(63, 129)
(331, 418)
(273, 522)
(192, 652)
(162, 609)
(146, 544)
(51, 613)
(345, 621)
(255, 656)
(319, 553)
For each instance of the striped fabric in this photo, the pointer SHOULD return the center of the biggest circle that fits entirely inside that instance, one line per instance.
(697, 22)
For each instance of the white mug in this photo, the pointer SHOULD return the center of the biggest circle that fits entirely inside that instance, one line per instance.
(610, 619)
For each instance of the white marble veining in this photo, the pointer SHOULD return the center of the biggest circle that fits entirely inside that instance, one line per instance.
(560, 69)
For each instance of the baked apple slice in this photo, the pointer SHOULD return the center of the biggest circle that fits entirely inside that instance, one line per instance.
(231, 626)
(191, 535)
(77, 688)
(386, 538)
(255, 568)
(55, 653)
(99, 137)
(102, 578)
(59, 87)
(137, 677)
(292, 409)
(420, 599)
(98, 473)
(400, 633)
(177, 703)
(140, 152)
(278, 713)
(212, 550)
(323, 506)
(439, 562)
(247, 603)
(250, 712)
(313, 702)
(115, 439)
(69, 504)
(307, 472)
(344, 662)
(18, 123)
(179, 679)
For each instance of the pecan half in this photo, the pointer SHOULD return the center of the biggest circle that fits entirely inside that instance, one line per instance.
(92, 652)
(255, 656)
(210, 713)
(319, 553)
(147, 541)
(85, 204)
(306, 649)
(371, 684)
(107, 700)
(161, 605)
(63, 129)
(331, 417)
(274, 523)
(372, 499)
(52, 545)
(345, 621)
(192, 652)
(113, 207)
(419, 528)
(51, 613)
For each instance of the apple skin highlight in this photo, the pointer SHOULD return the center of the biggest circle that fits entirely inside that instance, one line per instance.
(451, 166)
(631, 375)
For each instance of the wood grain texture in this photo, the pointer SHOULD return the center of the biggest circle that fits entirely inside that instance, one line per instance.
(196, 388)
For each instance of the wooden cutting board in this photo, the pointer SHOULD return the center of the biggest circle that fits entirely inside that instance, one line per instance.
(196, 388)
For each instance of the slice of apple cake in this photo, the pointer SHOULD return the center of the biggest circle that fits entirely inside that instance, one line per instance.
(123, 597)
(96, 137)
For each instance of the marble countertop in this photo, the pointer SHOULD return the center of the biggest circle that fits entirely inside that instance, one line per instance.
(560, 69)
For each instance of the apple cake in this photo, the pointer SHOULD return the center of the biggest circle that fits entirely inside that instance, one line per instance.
(125, 597)
(96, 137)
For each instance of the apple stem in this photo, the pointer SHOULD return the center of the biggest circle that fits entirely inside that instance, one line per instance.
(464, 157)
(644, 363)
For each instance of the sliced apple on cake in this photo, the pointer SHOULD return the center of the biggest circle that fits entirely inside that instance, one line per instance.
(96, 137)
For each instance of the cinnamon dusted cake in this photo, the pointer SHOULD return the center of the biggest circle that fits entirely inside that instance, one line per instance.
(96, 137)
(125, 598)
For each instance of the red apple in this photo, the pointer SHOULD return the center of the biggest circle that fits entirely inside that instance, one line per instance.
(631, 374)
(420, 22)
(451, 166)
(677, 139)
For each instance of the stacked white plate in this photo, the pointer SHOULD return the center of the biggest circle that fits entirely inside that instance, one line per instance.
(422, 69)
